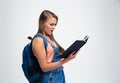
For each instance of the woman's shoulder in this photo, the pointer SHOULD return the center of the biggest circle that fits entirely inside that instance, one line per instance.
(37, 40)
(40, 39)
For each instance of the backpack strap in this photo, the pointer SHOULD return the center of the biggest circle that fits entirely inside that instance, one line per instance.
(44, 39)
(41, 36)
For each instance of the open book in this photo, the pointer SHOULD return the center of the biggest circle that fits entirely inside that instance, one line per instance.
(74, 47)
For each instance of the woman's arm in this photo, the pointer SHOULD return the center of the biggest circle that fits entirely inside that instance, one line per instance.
(40, 53)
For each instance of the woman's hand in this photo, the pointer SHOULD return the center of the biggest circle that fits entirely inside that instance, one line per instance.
(71, 56)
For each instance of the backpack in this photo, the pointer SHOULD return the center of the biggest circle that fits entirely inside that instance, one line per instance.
(30, 65)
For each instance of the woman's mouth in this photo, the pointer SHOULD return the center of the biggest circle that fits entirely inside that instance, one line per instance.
(51, 30)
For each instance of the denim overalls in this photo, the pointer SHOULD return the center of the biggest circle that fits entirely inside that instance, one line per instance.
(56, 75)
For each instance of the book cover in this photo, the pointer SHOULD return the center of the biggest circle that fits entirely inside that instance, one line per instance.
(74, 47)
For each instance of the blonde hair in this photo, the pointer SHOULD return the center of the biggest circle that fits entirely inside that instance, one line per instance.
(42, 19)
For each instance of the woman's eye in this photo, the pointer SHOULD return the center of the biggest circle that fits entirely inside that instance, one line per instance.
(52, 24)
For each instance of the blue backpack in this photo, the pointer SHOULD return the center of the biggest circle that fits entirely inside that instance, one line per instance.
(30, 65)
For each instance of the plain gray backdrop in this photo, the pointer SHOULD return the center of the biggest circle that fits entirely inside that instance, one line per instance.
(97, 62)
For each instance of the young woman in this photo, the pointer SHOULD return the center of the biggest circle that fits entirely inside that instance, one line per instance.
(49, 58)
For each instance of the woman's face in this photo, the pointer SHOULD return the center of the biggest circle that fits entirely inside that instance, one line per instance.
(49, 26)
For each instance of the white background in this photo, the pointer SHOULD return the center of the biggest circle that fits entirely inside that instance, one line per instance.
(97, 62)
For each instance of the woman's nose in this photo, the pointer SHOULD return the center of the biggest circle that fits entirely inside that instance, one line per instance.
(53, 26)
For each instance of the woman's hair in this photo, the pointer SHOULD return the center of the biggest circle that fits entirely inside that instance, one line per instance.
(42, 19)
